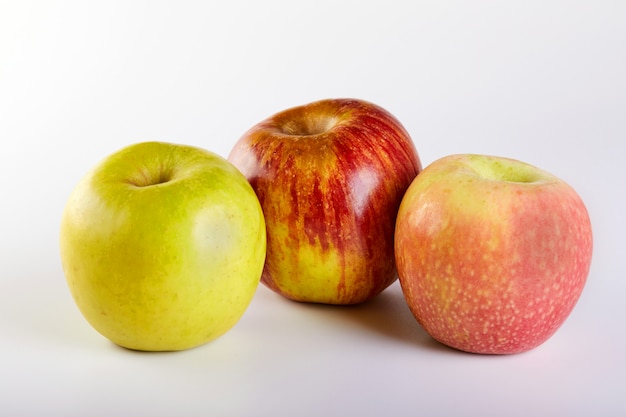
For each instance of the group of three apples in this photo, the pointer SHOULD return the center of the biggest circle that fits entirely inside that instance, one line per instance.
(163, 245)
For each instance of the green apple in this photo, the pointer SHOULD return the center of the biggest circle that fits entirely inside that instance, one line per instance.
(492, 253)
(163, 246)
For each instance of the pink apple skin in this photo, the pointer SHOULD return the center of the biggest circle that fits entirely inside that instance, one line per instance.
(492, 253)
(330, 176)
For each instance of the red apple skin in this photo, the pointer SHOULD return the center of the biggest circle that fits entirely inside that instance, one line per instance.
(330, 176)
(491, 265)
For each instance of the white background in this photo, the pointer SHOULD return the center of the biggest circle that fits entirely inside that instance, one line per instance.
(540, 81)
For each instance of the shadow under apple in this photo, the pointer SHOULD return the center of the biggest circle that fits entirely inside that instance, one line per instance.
(386, 315)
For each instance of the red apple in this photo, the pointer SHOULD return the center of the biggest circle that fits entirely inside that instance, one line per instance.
(330, 176)
(492, 253)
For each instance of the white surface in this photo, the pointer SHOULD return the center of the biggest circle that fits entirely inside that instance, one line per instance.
(540, 81)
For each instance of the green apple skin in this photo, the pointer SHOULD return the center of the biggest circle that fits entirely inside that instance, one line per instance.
(330, 176)
(492, 253)
(162, 246)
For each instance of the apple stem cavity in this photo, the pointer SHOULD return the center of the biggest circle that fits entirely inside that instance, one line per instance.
(147, 178)
(308, 126)
(507, 170)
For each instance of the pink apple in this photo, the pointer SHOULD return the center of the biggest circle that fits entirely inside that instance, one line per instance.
(492, 253)
(330, 176)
